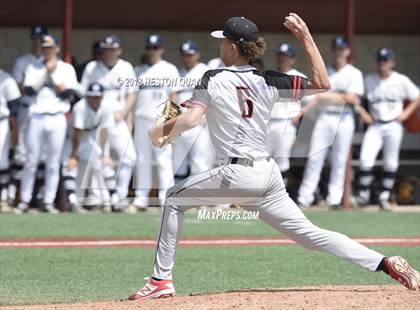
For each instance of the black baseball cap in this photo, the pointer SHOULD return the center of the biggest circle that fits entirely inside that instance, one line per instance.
(48, 40)
(38, 31)
(111, 41)
(384, 54)
(154, 40)
(340, 42)
(95, 90)
(287, 50)
(238, 29)
(189, 48)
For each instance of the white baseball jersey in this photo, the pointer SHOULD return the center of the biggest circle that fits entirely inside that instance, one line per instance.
(9, 91)
(216, 63)
(190, 77)
(157, 83)
(19, 68)
(118, 81)
(348, 79)
(46, 100)
(386, 96)
(287, 109)
(238, 101)
(89, 120)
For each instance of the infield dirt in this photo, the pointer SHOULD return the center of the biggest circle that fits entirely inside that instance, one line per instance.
(313, 297)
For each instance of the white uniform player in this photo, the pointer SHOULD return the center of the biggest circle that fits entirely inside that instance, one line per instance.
(192, 151)
(385, 93)
(116, 75)
(51, 85)
(215, 63)
(84, 146)
(333, 131)
(9, 101)
(18, 73)
(281, 131)
(158, 81)
(237, 101)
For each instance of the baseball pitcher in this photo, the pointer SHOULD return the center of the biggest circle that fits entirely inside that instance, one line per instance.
(237, 101)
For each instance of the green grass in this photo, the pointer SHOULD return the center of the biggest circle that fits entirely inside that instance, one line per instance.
(70, 275)
(147, 225)
(39, 276)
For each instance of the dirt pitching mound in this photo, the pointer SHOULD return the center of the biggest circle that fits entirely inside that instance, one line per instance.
(317, 297)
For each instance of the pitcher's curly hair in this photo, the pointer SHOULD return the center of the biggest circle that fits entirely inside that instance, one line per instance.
(252, 50)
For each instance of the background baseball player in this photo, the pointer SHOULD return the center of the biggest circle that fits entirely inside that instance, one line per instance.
(85, 147)
(385, 91)
(9, 102)
(281, 131)
(192, 151)
(51, 84)
(18, 72)
(248, 176)
(113, 73)
(333, 131)
(159, 80)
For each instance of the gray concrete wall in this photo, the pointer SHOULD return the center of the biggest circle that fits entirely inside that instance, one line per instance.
(15, 41)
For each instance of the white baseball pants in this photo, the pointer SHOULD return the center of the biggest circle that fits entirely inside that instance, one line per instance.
(45, 132)
(382, 135)
(281, 135)
(194, 150)
(386, 136)
(4, 143)
(258, 188)
(147, 154)
(120, 141)
(23, 121)
(4, 152)
(332, 132)
(89, 165)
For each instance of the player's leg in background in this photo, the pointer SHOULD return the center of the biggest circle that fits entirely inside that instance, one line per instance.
(56, 126)
(121, 142)
(371, 145)
(281, 136)
(280, 211)
(143, 177)
(322, 137)
(4, 160)
(339, 155)
(392, 137)
(102, 174)
(181, 149)
(201, 151)
(69, 178)
(163, 158)
(33, 143)
(19, 156)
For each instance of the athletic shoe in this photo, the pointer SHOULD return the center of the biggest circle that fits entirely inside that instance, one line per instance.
(49, 207)
(141, 203)
(155, 289)
(363, 198)
(401, 271)
(22, 207)
(77, 208)
(303, 206)
(335, 207)
(384, 204)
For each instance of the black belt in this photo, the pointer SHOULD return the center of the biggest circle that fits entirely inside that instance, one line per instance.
(385, 122)
(50, 114)
(243, 161)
